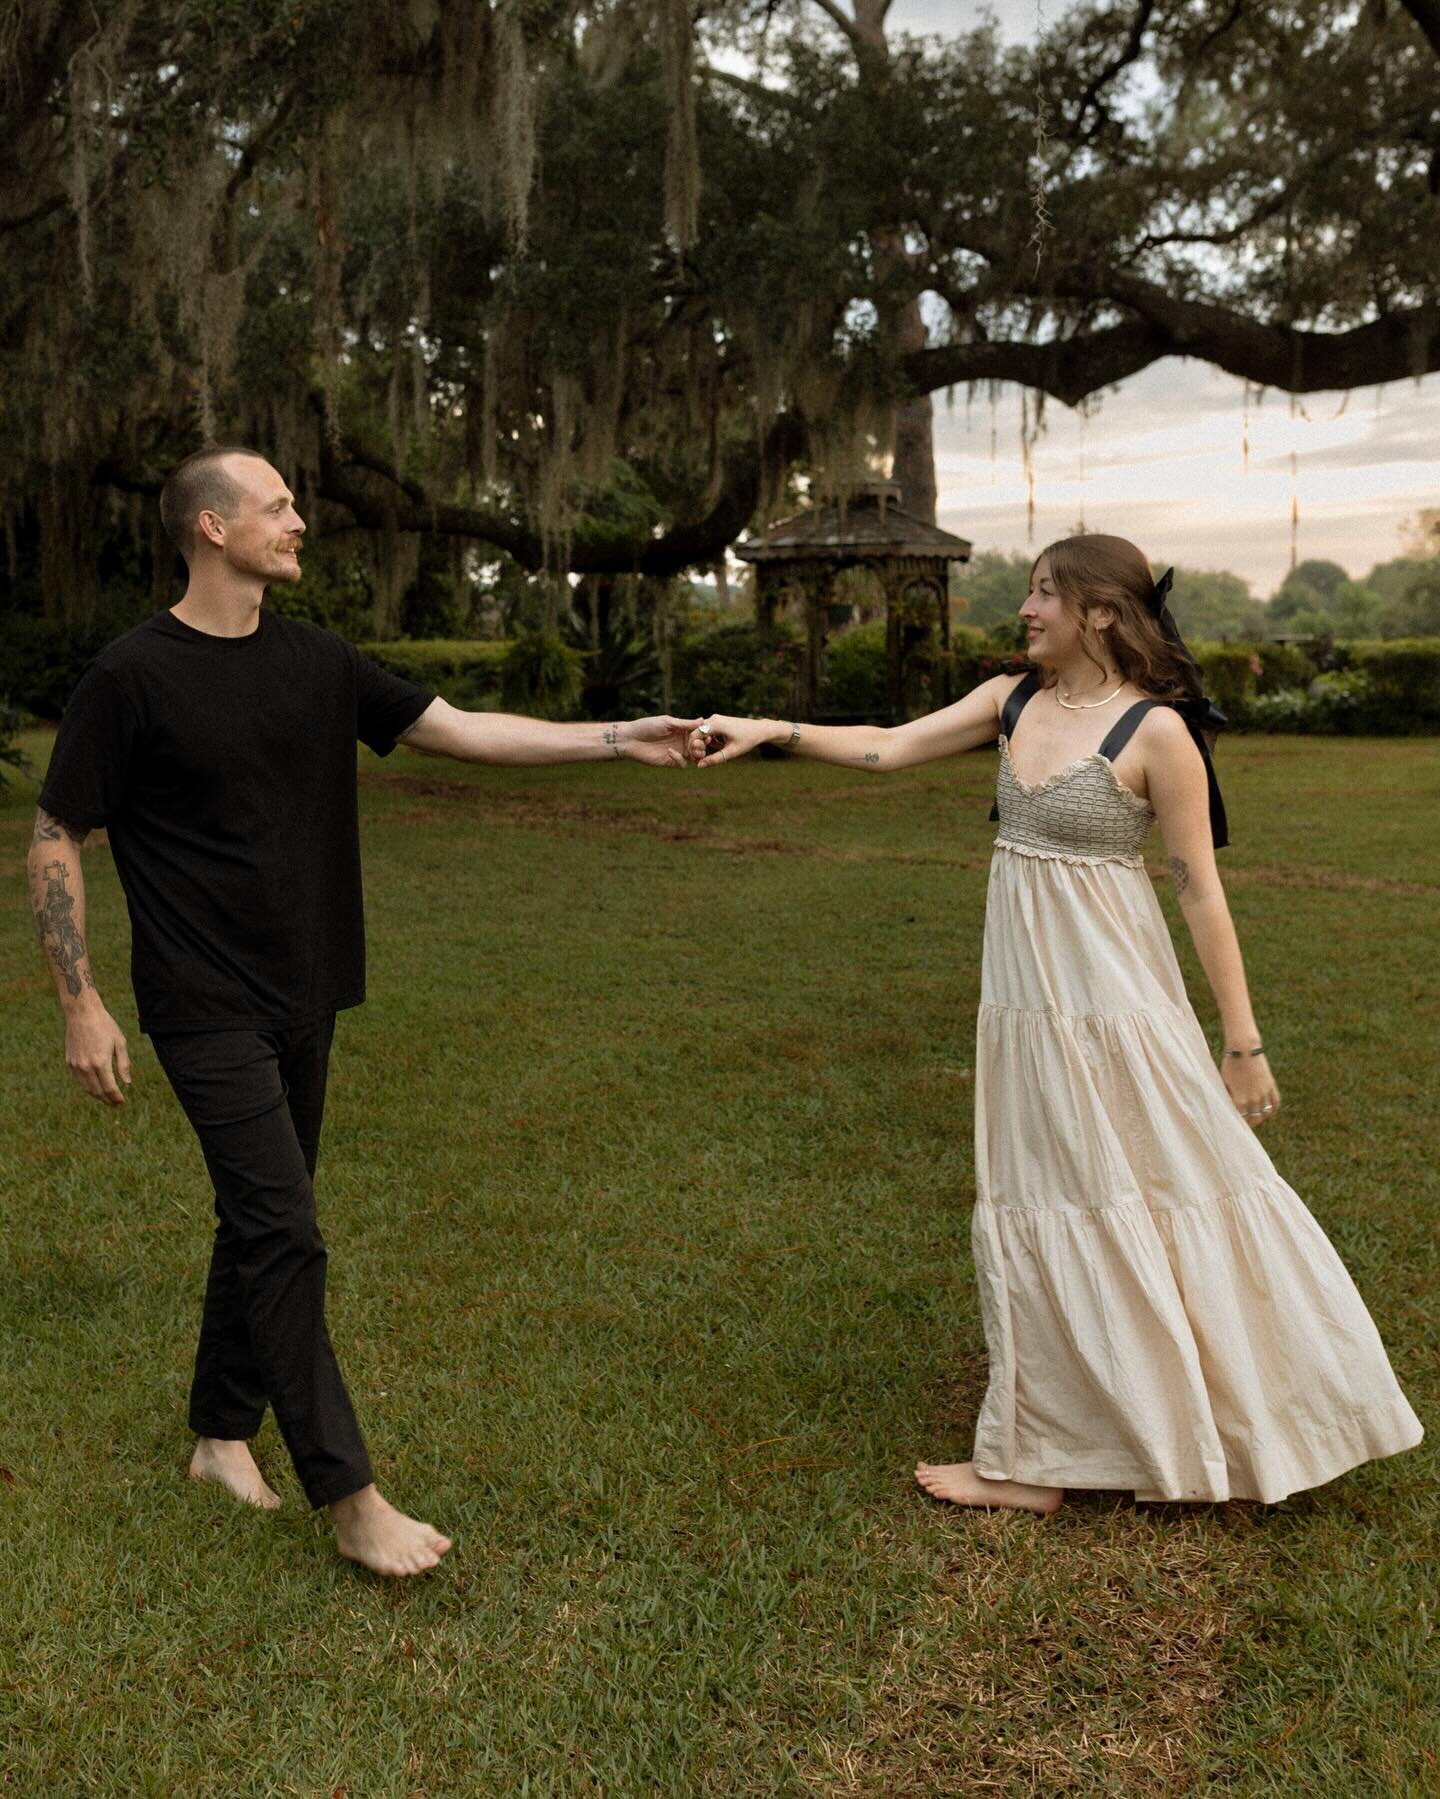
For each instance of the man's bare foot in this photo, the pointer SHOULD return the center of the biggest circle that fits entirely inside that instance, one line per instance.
(959, 1483)
(228, 1462)
(370, 1531)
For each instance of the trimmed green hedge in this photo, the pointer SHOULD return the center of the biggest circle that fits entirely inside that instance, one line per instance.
(1363, 688)
(1389, 689)
(466, 674)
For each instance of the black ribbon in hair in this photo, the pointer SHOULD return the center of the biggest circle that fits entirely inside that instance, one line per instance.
(1203, 718)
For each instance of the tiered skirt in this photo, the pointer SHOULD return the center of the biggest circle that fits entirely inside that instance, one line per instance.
(1162, 1313)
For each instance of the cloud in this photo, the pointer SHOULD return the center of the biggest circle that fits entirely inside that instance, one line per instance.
(1163, 463)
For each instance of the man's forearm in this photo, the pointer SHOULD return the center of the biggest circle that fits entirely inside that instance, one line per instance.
(57, 899)
(509, 739)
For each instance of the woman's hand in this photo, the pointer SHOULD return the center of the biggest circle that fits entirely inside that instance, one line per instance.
(1251, 1085)
(725, 739)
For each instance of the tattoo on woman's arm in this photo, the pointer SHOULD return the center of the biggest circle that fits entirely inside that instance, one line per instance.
(872, 755)
(58, 932)
(1180, 870)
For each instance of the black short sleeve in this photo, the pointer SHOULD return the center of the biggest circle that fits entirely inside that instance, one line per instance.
(90, 765)
(386, 704)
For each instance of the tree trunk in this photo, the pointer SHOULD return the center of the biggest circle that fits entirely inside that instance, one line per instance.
(912, 425)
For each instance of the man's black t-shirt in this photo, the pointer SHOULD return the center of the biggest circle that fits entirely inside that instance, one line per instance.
(223, 769)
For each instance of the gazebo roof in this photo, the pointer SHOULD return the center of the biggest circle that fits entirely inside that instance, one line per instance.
(870, 525)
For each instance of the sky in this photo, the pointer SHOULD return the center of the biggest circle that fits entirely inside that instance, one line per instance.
(1163, 462)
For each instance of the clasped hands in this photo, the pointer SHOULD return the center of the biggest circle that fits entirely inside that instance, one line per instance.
(697, 742)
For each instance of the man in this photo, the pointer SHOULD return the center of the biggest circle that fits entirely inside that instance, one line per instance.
(216, 744)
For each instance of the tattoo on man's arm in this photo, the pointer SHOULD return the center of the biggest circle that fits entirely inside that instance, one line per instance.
(872, 755)
(1180, 870)
(49, 829)
(58, 932)
(611, 735)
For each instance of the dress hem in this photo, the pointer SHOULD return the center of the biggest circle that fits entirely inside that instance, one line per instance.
(1363, 1438)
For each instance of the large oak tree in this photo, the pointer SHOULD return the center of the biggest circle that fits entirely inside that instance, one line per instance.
(581, 283)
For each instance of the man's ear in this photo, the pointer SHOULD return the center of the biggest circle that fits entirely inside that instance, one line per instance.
(210, 526)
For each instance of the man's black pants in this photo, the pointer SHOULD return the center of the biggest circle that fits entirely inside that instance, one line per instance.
(256, 1100)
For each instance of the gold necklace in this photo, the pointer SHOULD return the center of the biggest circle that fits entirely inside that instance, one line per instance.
(1088, 705)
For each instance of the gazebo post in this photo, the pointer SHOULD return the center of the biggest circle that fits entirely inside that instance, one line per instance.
(894, 645)
(814, 651)
(767, 592)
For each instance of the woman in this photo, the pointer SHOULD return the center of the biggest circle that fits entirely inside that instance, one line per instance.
(1162, 1313)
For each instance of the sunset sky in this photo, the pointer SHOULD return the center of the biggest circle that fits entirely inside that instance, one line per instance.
(1162, 461)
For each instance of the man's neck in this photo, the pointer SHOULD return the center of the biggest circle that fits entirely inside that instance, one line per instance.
(224, 608)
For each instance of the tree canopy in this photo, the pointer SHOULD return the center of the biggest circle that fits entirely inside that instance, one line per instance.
(588, 284)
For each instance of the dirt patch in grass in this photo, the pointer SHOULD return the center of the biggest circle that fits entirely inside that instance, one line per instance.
(1084, 1654)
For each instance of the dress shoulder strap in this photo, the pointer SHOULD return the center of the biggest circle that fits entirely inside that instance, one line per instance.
(1125, 728)
(1014, 705)
(1020, 694)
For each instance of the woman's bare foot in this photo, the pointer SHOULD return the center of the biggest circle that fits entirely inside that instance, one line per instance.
(228, 1462)
(959, 1483)
(370, 1531)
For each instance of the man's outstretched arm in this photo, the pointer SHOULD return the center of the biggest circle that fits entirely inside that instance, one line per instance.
(94, 1044)
(503, 737)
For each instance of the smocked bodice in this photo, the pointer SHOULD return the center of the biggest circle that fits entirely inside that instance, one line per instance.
(1081, 814)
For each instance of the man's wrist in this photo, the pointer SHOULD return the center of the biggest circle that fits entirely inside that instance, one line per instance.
(615, 738)
(76, 1005)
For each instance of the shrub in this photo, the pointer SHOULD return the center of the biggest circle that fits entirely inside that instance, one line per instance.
(1287, 709)
(542, 675)
(1345, 701)
(11, 755)
(622, 675)
(855, 679)
(973, 663)
(1405, 677)
(737, 669)
(466, 674)
(855, 673)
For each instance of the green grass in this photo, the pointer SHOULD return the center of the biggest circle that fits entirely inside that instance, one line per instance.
(646, 1179)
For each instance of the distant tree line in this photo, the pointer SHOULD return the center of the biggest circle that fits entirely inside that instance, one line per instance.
(1317, 599)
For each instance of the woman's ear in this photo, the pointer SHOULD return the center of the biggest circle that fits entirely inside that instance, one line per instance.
(1100, 618)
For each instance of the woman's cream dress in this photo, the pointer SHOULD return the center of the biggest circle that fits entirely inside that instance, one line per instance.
(1161, 1311)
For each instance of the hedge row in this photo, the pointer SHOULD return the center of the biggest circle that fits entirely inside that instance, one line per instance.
(1389, 689)
(1382, 689)
(1366, 688)
(466, 674)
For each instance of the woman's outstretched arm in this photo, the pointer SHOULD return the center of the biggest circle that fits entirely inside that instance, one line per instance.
(880, 749)
(1175, 776)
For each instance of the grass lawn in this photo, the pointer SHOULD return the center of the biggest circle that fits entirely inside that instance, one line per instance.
(646, 1179)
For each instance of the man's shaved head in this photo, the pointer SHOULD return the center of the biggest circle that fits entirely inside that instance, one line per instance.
(201, 483)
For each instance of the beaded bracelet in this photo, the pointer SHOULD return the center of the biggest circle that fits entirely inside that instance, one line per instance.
(1260, 1051)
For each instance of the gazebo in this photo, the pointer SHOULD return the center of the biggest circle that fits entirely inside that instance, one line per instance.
(801, 557)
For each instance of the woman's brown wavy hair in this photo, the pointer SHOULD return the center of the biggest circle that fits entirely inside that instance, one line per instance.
(1109, 571)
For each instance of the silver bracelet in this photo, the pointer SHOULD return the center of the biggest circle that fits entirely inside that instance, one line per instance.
(794, 737)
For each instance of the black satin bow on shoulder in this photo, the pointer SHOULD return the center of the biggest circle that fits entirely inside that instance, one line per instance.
(1203, 718)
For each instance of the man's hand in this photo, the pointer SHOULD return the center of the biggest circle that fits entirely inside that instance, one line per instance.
(727, 739)
(95, 1050)
(662, 742)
